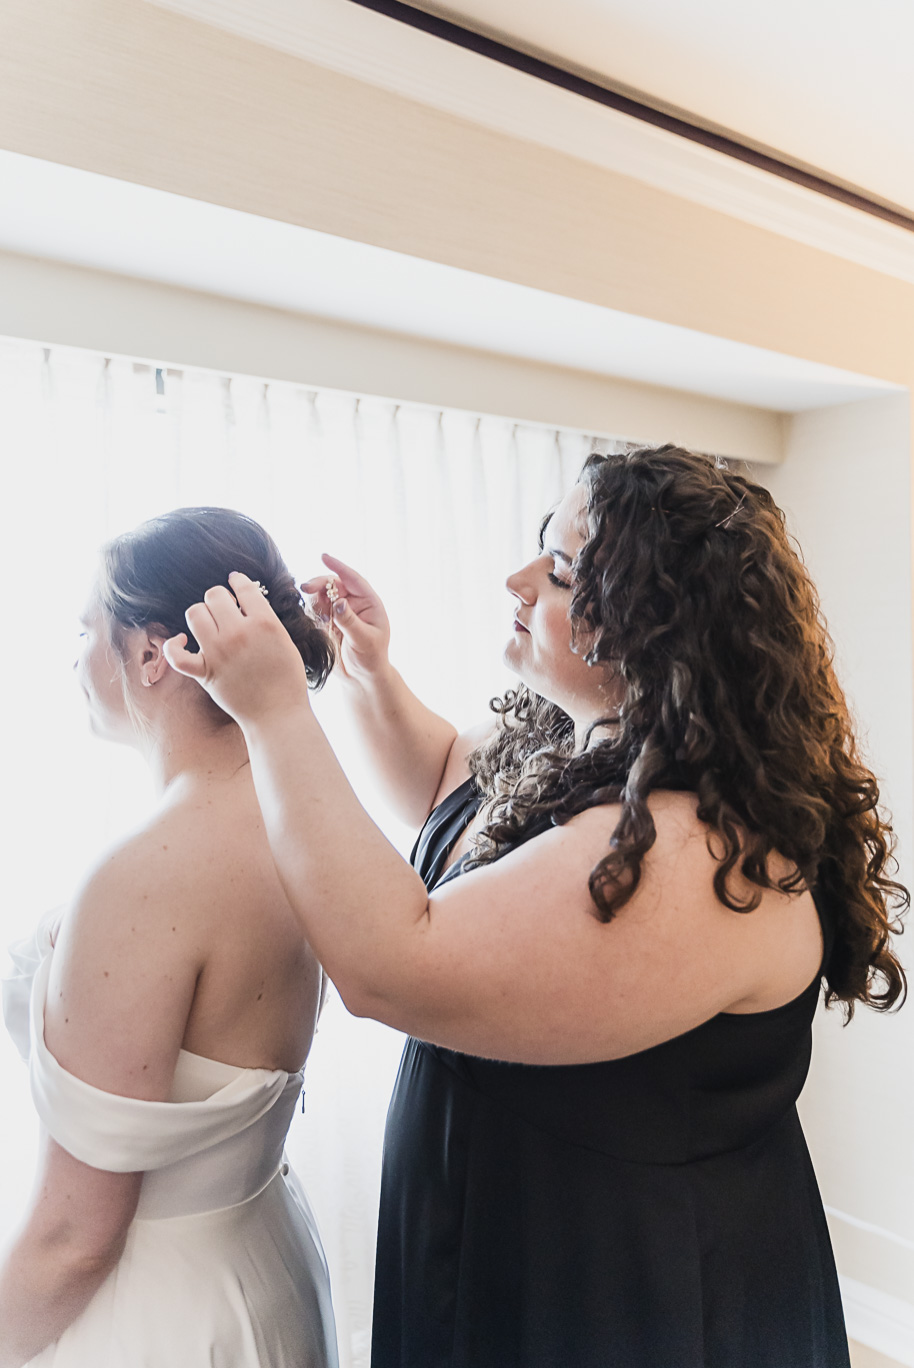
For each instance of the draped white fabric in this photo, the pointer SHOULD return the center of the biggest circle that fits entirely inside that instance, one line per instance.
(434, 507)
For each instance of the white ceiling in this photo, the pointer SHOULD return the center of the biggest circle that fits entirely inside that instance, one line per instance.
(64, 214)
(829, 82)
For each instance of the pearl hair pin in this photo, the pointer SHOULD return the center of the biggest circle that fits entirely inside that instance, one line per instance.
(262, 587)
(332, 590)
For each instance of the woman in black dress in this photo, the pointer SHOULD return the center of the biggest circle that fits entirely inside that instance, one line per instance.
(610, 950)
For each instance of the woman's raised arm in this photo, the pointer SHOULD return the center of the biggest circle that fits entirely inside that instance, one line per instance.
(508, 960)
(409, 747)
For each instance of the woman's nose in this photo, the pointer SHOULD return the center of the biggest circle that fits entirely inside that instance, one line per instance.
(520, 584)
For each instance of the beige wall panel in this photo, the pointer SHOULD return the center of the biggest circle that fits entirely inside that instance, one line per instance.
(132, 91)
(70, 305)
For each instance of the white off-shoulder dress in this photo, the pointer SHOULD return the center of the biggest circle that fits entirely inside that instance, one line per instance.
(223, 1266)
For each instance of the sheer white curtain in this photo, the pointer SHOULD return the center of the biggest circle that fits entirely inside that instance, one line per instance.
(434, 507)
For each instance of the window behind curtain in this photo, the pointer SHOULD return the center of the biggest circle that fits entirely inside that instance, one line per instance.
(434, 507)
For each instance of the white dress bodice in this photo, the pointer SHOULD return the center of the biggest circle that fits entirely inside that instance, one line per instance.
(215, 1182)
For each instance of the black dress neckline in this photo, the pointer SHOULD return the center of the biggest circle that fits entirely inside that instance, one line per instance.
(450, 818)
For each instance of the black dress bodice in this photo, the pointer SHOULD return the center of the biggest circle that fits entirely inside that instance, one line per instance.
(656, 1211)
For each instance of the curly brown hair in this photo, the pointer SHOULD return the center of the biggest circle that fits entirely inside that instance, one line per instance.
(689, 589)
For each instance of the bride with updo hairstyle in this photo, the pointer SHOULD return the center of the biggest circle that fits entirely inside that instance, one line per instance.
(167, 1014)
(151, 576)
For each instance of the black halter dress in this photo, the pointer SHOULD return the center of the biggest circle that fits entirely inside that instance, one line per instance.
(657, 1211)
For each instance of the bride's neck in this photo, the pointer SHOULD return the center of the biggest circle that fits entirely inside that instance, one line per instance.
(192, 750)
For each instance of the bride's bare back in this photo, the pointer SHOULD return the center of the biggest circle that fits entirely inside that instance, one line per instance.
(258, 992)
(182, 938)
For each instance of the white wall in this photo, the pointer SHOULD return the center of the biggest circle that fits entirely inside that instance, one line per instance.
(845, 484)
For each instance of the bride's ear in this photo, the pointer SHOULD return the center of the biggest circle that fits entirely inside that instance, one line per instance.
(153, 664)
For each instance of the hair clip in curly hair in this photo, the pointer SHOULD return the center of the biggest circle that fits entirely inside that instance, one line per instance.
(725, 522)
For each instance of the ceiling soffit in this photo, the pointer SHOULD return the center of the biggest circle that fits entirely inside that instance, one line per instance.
(371, 47)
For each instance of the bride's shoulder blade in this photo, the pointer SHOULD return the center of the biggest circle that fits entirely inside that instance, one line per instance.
(128, 954)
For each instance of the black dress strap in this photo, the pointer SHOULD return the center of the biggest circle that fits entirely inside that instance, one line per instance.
(443, 826)
(826, 910)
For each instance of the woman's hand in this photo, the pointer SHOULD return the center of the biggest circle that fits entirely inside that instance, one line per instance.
(405, 744)
(358, 615)
(247, 662)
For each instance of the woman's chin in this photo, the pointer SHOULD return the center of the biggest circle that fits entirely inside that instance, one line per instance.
(511, 655)
(513, 658)
(98, 731)
(102, 731)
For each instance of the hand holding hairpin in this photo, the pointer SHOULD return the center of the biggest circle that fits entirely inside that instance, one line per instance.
(332, 590)
(262, 587)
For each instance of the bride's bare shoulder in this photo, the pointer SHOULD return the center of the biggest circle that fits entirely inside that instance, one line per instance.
(173, 870)
(128, 954)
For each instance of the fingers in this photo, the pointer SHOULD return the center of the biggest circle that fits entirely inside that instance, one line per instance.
(349, 627)
(199, 618)
(352, 581)
(313, 585)
(249, 595)
(348, 583)
(219, 603)
(220, 610)
(344, 617)
(337, 612)
(321, 602)
(182, 660)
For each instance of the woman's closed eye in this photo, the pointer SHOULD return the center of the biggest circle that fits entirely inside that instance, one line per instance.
(561, 565)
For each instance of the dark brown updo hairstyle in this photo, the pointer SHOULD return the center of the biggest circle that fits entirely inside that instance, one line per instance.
(688, 588)
(150, 577)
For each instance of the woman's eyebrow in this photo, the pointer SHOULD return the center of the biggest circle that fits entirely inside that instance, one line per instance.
(550, 551)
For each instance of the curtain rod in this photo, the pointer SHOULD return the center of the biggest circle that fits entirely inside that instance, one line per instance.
(681, 125)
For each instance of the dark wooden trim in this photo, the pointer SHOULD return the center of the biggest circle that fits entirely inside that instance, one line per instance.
(683, 127)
